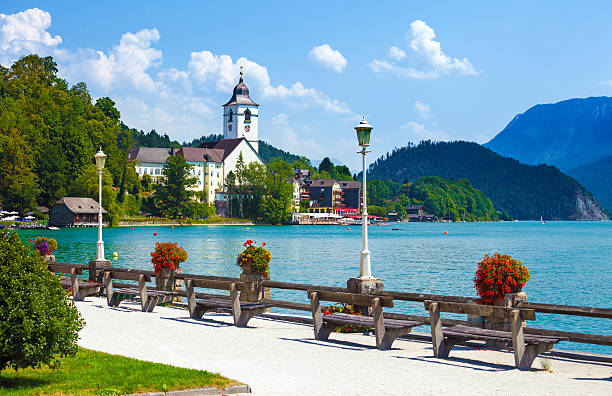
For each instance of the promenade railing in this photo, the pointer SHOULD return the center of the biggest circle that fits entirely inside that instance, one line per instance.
(587, 338)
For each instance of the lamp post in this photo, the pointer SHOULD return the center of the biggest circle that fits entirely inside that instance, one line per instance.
(100, 159)
(363, 136)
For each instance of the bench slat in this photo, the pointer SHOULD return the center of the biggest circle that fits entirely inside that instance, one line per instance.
(352, 298)
(223, 303)
(366, 321)
(474, 333)
(64, 269)
(217, 284)
(490, 311)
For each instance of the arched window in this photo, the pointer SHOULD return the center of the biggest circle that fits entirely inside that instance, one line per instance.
(230, 116)
(247, 115)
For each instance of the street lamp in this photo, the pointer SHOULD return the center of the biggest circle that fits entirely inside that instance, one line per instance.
(363, 136)
(100, 159)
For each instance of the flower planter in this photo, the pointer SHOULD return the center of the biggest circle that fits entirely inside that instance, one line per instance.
(516, 289)
(49, 257)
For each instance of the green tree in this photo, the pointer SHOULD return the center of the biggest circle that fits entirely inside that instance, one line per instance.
(327, 166)
(174, 194)
(18, 183)
(146, 182)
(38, 323)
(275, 211)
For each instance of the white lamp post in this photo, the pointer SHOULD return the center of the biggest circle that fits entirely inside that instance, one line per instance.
(363, 136)
(100, 159)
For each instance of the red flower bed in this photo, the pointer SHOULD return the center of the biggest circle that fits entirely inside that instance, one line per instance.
(167, 255)
(497, 275)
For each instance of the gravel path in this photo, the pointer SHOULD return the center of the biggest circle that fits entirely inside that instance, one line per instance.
(280, 358)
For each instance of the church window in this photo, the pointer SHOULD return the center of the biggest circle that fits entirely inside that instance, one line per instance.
(247, 115)
(230, 116)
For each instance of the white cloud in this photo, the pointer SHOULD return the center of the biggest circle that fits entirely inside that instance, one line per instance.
(177, 101)
(418, 132)
(205, 68)
(423, 109)
(328, 57)
(608, 83)
(396, 53)
(126, 66)
(283, 135)
(424, 59)
(24, 33)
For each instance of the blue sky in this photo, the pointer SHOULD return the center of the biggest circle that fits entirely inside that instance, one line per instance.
(417, 70)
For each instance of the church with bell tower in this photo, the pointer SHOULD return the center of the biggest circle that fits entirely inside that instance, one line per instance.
(240, 116)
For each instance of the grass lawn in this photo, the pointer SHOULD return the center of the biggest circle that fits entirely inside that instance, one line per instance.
(97, 373)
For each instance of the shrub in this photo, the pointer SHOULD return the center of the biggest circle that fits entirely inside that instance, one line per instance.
(38, 323)
(497, 275)
(167, 255)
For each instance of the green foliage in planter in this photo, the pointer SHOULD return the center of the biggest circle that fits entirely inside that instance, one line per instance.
(258, 256)
(38, 324)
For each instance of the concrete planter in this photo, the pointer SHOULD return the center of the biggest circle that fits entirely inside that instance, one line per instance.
(166, 281)
(49, 257)
(259, 292)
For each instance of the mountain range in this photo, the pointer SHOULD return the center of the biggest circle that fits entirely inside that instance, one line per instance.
(597, 177)
(566, 134)
(574, 135)
(525, 192)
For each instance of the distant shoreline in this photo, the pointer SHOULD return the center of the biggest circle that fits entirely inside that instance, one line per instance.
(183, 224)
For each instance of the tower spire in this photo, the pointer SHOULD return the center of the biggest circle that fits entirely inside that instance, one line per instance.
(241, 73)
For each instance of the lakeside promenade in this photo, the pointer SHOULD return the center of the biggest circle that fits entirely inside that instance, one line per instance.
(281, 358)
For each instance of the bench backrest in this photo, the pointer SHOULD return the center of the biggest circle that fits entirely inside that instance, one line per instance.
(490, 311)
(64, 269)
(218, 284)
(128, 275)
(351, 298)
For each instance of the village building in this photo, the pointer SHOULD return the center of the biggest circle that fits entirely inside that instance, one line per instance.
(75, 212)
(351, 192)
(212, 161)
(150, 161)
(324, 195)
(207, 169)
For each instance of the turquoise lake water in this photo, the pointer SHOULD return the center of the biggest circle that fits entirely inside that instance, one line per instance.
(570, 262)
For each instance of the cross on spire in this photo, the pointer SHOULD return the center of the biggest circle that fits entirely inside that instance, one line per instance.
(241, 72)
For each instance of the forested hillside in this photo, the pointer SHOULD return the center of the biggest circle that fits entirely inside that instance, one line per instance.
(267, 152)
(523, 191)
(154, 139)
(49, 133)
(447, 199)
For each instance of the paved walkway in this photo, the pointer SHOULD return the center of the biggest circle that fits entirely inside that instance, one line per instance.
(279, 358)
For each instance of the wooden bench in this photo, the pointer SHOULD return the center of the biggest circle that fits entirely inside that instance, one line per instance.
(387, 330)
(526, 347)
(242, 311)
(80, 288)
(149, 298)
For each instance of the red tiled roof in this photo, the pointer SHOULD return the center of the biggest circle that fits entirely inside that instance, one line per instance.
(196, 154)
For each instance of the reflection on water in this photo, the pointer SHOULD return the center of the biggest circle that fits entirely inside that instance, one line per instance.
(570, 262)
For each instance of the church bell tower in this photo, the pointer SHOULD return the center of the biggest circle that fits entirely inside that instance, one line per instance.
(240, 115)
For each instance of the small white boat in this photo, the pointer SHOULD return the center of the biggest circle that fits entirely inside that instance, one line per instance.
(53, 228)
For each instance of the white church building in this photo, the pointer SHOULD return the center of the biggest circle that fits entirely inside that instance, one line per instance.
(213, 161)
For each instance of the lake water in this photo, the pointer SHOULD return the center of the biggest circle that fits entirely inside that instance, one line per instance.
(570, 262)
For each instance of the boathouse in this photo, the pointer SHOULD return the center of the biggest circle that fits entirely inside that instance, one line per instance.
(75, 212)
